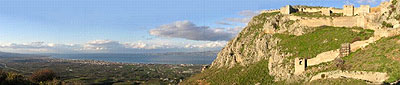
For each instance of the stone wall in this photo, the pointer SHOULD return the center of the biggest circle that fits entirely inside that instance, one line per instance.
(299, 66)
(328, 21)
(270, 11)
(363, 9)
(348, 10)
(287, 9)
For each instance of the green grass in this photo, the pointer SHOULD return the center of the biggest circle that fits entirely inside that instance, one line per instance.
(336, 14)
(394, 2)
(240, 75)
(309, 14)
(316, 14)
(378, 57)
(311, 44)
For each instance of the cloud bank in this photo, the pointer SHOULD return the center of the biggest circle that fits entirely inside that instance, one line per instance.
(110, 46)
(188, 30)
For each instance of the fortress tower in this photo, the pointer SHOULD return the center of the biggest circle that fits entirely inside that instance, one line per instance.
(364, 9)
(344, 50)
(299, 66)
(287, 9)
(348, 10)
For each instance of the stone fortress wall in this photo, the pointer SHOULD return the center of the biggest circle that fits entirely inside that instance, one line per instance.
(270, 11)
(348, 10)
(330, 21)
(363, 16)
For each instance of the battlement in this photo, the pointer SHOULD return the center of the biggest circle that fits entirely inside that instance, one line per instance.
(348, 10)
(270, 11)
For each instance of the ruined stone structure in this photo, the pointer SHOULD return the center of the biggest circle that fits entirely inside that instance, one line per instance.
(300, 66)
(344, 50)
(205, 67)
(287, 9)
(348, 10)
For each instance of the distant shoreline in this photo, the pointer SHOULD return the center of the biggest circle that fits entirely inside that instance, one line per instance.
(139, 59)
(102, 62)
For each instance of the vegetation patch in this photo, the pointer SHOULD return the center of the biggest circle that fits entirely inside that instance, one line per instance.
(309, 14)
(388, 25)
(239, 75)
(323, 39)
(336, 14)
(397, 17)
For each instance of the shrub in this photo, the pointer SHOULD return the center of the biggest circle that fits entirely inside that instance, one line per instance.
(388, 25)
(340, 64)
(397, 17)
(43, 75)
(9, 78)
(356, 39)
(3, 76)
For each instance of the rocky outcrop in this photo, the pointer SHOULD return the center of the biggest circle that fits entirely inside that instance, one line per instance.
(256, 43)
(251, 45)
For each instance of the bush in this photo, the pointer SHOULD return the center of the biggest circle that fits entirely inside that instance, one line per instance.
(43, 75)
(356, 39)
(9, 78)
(397, 17)
(388, 25)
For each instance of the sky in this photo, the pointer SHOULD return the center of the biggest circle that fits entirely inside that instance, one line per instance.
(132, 26)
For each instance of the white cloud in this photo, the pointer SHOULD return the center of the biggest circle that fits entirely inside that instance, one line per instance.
(188, 30)
(247, 15)
(367, 1)
(215, 44)
(110, 46)
(347, 2)
(38, 47)
(102, 45)
(223, 23)
(240, 20)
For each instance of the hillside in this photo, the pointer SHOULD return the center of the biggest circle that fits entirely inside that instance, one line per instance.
(269, 49)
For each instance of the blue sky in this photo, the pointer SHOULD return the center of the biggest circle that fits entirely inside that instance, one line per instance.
(131, 26)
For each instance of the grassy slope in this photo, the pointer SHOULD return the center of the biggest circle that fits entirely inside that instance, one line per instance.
(311, 44)
(256, 73)
(382, 56)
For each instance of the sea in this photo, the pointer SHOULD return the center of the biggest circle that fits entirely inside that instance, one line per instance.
(167, 58)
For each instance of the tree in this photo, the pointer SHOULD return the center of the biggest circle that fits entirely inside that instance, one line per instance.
(43, 75)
